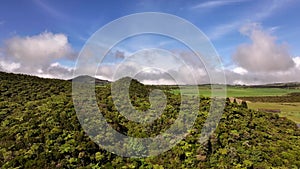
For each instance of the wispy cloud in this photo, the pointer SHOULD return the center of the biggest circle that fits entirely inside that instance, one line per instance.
(254, 16)
(269, 10)
(213, 4)
(273, 28)
(50, 10)
(2, 22)
(224, 29)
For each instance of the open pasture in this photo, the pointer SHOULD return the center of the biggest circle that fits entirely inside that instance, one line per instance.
(259, 98)
(237, 91)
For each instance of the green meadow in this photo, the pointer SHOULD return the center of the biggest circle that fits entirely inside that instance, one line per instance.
(291, 110)
(236, 91)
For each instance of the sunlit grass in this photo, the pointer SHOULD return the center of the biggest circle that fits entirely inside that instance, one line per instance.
(289, 110)
(236, 91)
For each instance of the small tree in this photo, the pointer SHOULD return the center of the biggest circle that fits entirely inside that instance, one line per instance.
(227, 101)
(234, 101)
(244, 104)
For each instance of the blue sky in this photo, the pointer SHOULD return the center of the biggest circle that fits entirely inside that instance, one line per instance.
(221, 21)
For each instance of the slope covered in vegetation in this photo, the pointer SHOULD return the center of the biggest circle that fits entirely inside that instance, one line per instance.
(39, 129)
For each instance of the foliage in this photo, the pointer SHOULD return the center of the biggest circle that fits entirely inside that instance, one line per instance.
(39, 129)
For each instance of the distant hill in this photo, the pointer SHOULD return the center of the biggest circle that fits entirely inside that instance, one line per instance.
(132, 81)
(279, 85)
(121, 81)
(89, 79)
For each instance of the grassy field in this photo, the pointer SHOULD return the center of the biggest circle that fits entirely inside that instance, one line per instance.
(289, 110)
(238, 91)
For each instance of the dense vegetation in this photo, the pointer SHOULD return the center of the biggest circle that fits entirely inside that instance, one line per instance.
(39, 129)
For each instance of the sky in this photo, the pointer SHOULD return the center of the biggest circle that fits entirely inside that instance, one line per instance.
(256, 41)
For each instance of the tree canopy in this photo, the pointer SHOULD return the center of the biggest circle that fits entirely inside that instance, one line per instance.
(39, 129)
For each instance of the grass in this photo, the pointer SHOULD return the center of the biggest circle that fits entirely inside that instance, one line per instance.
(237, 91)
(289, 110)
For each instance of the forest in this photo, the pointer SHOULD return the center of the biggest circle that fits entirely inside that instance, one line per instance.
(40, 129)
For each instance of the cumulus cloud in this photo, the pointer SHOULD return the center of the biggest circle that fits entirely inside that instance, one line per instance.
(263, 54)
(237, 76)
(263, 61)
(39, 49)
(36, 54)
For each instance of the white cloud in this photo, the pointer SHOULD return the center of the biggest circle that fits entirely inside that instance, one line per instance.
(40, 71)
(106, 70)
(297, 61)
(150, 75)
(55, 70)
(251, 78)
(8, 66)
(38, 50)
(240, 70)
(261, 61)
(156, 67)
(159, 82)
(263, 54)
(59, 71)
(37, 55)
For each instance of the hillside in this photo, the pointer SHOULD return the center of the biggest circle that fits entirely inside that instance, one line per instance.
(89, 79)
(39, 129)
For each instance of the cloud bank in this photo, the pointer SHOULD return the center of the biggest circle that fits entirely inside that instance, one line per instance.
(156, 66)
(261, 60)
(36, 54)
